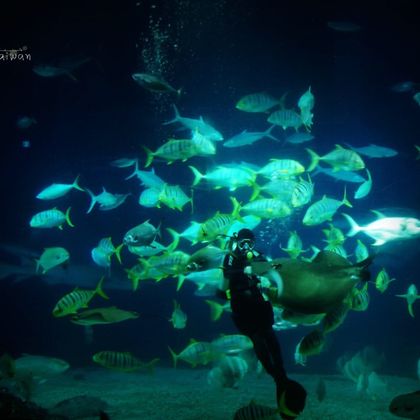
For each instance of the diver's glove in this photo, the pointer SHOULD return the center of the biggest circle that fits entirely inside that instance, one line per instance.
(291, 398)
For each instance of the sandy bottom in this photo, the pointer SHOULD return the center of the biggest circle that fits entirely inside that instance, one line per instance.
(185, 395)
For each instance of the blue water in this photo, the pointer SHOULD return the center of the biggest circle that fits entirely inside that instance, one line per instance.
(216, 54)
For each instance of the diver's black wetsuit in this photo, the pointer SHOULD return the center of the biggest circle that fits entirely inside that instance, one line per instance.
(252, 315)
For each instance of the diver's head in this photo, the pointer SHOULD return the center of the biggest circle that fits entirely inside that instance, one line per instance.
(243, 243)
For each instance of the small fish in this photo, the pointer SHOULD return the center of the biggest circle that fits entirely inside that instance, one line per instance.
(339, 158)
(346, 176)
(416, 98)
(382, 280)
(374, 151)
(196, 353)
(25, 122)
(150, 197)
(361, 252)
(154, 83)
(141, 235)
(51, 218)
(52, 257)
(359, 299)
(99, 316)
(307, 101)
(286, 118)
(122, 361)
(124, 162)
(58, 190)
(257, 102)
(174, 197)
(411, 296)
(405, 86)
(196, 124)
(40, 367)
(102, 253)
(228, 372)
(247, 138)
(71, 302)
(343, 26)
(179, 317)
(106, 200)
(232, 344)
(298, 138)
(312, 343)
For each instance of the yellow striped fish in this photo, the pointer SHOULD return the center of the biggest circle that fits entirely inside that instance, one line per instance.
(51, 218)
(78, 298)
(172, 150)
(122, 361)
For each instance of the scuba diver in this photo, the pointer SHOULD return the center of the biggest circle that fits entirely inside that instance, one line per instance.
(253, 316)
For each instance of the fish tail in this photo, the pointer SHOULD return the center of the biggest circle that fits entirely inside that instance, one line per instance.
(314, 159)
(175, 119)
(68, 217)
(176, 237)
(92, 200)
(354, 227)
(149, 158)
(174, 356)
(192, 201)
(255, 191)
(410, 310)
(269, 135)
(136, 168)
(197, 175)
(236, 209)
(99, 290)
(181, 279)
(118, 252)
(345, 201)
(216, 310)
(37, 262)
(76, 184)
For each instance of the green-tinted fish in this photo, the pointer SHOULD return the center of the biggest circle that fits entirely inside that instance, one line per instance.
(40, 367)
(232, 343)
(179, 317)
(323, 210)
(224, 176)
(174, 197)
(149, 197)
(52, 257)
(78, 298)
(110, 315)
(382, 280)
(58, 190)
(302, 193)
(106, 200)
(142, 234)
(205, 258)
(411, 296)
(51, 218)
(361, 252)
(196, 353)
(257, 102)
(154, 83)
(294, 245)
(228, 372)
(172, 150)
(306, 101)
(122, 361)
(334, 235)
(281, 168)
(340, 159)
(311, 344)
(102, 253)
(359, 299)
(267, 208)
(286, 118)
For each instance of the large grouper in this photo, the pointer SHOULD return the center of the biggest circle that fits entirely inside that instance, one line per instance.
(313, 287)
